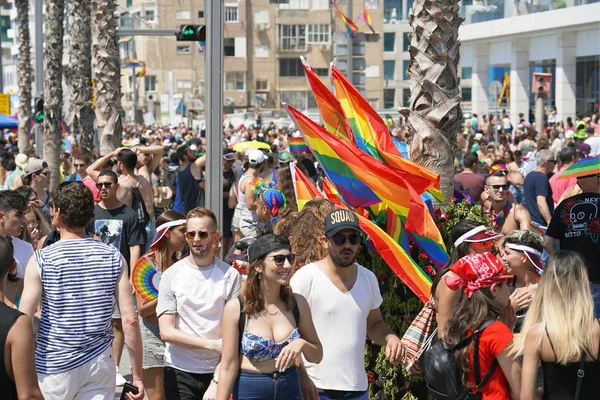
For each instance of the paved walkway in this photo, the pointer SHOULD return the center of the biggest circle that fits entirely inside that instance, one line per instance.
(125, 370)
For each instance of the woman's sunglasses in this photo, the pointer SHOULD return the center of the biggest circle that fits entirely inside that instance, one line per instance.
(203, 235)
(340, 240)
(279, 259)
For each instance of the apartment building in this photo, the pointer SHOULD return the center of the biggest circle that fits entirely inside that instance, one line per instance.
(513, 39)
(263, 43)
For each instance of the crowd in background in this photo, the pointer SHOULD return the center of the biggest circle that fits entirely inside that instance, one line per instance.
(264, 317)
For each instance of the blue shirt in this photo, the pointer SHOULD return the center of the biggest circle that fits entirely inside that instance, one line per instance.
(537, 184)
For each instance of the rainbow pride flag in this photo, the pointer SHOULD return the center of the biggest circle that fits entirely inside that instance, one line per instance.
(366, 17)
(387, 183)
(372, 135)
(297, 144)
(395, 228)
(304, 189)
(398, 260)
(331, 193)
(350, 26)
(331, 111)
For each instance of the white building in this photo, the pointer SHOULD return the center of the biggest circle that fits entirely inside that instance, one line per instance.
(564, 42)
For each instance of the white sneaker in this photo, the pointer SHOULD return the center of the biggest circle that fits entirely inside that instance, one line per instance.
(120, 380)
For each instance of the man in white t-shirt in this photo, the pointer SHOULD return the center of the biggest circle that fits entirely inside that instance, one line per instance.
(191, 299)
(594, 142)
(344, 299)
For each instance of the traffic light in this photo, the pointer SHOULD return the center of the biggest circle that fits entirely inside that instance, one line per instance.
(39, 110)
(191, 33)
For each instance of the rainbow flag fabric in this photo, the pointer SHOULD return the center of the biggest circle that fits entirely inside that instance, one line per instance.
(388, 184)
(366, 17)
(350, 26)
(297, 144)
(304, 189)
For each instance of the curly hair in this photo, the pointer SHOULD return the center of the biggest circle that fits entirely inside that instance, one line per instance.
(75, 202)
(284, 226)
(254, 302)
(286, 186)
(306, 233)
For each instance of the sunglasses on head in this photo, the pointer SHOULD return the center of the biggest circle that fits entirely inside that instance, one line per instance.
(100, 185)
(498, 187)
(46, 173)
(340, 239)
(279, 259)
(203, 235)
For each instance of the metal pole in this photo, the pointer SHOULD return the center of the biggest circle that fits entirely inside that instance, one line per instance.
(497, 121)
(214, 106)
(350, 44)
(39, 48)
(134, 94)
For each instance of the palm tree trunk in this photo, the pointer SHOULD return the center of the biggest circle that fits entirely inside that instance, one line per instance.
(434, 115)
(79, 75)
(107, 74)
(24, 75)
(53, 73)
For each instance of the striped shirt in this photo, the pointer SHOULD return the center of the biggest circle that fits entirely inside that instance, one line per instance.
(78, 284)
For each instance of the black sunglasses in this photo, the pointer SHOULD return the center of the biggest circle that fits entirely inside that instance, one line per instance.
(498, 187)
(340, 240)
(279, 259)
(107, 185)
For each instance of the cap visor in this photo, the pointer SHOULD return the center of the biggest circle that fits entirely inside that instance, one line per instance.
(341, 228)
(536, 261)
(484, 236)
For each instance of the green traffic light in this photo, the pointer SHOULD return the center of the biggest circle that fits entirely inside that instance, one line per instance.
(39, 117)
(188, 31)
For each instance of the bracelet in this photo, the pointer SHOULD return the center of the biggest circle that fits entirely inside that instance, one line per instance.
(214, 380)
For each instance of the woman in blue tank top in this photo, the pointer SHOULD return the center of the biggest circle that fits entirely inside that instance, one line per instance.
(265, 333)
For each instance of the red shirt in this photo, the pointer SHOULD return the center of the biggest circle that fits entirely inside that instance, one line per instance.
(492, 341)
(89, 182)
(560, 185)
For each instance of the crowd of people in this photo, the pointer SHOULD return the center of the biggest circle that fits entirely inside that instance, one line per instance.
(273, 304)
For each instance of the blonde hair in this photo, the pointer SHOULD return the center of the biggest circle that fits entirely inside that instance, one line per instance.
(564, 306)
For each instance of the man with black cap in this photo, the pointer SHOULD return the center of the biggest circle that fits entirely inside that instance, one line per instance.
(344, 299)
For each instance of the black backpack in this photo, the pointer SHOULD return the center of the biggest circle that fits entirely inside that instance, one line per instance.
(441, 372)
(139, 206)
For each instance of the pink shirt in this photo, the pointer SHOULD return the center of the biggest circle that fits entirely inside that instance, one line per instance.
(560, 185)
(89, 182)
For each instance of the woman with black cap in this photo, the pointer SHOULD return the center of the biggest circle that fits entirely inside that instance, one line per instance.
(265, 333)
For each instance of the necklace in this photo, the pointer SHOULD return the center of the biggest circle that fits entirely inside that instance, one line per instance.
(497, 218)
(275, 313)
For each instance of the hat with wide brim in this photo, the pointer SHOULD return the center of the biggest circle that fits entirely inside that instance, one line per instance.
(585, 167)
(478, 234)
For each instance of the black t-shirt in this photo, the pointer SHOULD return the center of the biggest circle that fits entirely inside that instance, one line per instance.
(310, 167)
(576, 223)
(537, 184)
(119, 228)
(191, 193)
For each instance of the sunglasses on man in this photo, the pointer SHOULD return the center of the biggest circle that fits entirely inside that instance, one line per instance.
(340, 239)
(202, 235)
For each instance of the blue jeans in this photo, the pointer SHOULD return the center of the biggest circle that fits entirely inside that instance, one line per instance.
(275, 386)
(596, 295)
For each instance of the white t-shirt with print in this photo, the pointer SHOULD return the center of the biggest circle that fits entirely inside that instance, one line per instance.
(341, 323)
(198, 296)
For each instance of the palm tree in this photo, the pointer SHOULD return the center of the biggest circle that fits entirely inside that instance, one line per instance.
(434, 114)
(24, 75)
(107, 74)
(79, 74)
(54, 17)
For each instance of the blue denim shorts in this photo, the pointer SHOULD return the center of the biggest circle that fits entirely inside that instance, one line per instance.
(275, 386)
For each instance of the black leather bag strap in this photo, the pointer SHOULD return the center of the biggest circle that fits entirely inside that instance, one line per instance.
(477, 369)
(580, 375)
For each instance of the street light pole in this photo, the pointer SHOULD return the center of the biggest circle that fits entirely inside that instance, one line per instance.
(214, 107)
(350, 43)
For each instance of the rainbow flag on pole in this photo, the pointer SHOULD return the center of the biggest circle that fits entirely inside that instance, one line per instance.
(372, 135)
(304, 189)
(366, 17)
(388, 184)
(350, 26)
(297, 144)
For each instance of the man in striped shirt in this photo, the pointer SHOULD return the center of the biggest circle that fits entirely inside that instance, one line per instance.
(75, 279)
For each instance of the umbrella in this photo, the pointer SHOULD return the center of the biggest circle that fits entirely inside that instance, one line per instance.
(7, 122)
(242, 146)
(585, 167)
